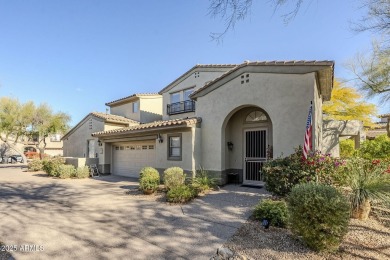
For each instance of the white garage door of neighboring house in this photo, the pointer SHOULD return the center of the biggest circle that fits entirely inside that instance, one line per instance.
(129, 158)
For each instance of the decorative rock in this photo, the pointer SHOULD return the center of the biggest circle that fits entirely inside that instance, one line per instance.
(225, 253)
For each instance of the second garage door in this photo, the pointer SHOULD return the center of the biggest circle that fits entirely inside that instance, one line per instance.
(129, 158)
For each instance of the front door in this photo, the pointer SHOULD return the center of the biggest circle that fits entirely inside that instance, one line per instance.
(255, 154)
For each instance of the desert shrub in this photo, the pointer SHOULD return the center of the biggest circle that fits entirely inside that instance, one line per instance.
(319, 214)
(150, 179)
(66, 171)
(146, 170)
(275, 211)
(174, 177)
(180, 194)
(281, 174)
(51, 165)
(323, 168)
(82, 172)
(379, 148)
(202, 181)
(347, 148)
(369, 180)
(35, 165)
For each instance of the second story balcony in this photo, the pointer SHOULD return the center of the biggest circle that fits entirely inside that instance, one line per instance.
(181, 107)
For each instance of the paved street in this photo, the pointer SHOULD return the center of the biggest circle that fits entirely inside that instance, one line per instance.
(96, 219)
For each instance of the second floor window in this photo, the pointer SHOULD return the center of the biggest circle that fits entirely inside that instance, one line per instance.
(187, 93)
(181, 102)
(135, 106)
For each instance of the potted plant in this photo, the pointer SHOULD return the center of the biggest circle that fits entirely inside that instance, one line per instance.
(149, 180)
(368, 181)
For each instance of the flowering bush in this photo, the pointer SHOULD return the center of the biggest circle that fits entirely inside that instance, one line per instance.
(323, 167)
(282, 174)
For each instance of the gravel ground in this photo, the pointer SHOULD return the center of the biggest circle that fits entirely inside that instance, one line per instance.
(365, 240)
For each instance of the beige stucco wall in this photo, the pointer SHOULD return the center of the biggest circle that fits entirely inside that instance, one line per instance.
(285, 97)
(190, 151)
(334, 129)
(190, 82)
(150, 109)
(75, 145)
(126, 110)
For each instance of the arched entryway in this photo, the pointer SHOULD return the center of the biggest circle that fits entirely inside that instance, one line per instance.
(248, 143)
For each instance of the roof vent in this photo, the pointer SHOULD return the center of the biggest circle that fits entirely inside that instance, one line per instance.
(247, 61)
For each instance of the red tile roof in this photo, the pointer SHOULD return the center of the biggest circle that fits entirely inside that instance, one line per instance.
(198, 66)
(113, 118)
(131, 96)
(384, 115)
(266, 63)
(154, 125)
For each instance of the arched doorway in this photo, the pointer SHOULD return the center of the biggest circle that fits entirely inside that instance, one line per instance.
(248, 140)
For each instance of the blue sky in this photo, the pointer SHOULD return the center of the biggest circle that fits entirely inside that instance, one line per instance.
(76, 55)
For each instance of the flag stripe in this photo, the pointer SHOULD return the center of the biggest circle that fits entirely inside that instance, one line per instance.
(307, 146)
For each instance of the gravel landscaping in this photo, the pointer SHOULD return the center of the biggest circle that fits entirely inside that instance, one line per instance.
(365, 239)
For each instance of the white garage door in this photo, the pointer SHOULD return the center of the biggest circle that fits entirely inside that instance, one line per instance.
(129, 158)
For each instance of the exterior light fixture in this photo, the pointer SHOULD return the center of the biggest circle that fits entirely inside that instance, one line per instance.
(159, 138)
(230, 145)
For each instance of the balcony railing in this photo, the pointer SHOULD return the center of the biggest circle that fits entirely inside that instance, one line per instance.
(181, 107)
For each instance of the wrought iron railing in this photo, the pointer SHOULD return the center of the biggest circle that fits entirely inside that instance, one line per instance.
(181, 107)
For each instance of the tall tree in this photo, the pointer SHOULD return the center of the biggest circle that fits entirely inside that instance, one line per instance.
(15, 117)
(36, 123)
(346, 104)
(44, 124)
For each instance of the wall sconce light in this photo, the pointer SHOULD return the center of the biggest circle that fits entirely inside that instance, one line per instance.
(159, 138)
(100, 143)
(230, 145)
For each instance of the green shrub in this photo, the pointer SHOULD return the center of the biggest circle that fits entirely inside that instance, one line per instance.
(150, 179)
(147, 170)
(272, 210)
(379, 148)
(319, 214)
(82, 172)
(51, 165)
(180, 194)
(202, 181)
(368, 180)
(174, 177)
(66, 171)
(35, 165)
(347, 148)
(281, 174)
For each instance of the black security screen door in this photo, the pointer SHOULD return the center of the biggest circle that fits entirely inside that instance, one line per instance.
(255, 155)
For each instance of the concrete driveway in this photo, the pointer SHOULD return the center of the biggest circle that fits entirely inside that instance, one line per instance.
(96, 219)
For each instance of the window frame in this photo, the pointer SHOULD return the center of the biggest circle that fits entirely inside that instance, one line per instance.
(169, 156)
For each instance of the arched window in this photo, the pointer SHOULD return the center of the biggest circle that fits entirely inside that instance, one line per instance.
(256, 116)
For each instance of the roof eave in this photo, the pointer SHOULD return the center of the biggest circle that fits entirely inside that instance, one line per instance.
(324, 71)
(145, 130)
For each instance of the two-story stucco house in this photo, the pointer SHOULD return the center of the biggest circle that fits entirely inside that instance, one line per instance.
(225, 118)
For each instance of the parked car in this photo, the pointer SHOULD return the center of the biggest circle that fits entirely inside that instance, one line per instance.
(15, 158)
(11, 159)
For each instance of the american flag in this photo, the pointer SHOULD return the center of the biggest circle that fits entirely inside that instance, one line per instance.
(307, 145)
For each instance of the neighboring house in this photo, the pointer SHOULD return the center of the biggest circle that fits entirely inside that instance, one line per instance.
(79, 143)
(380, 127)
(333, 130)
(143, 108)
(226, 119)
